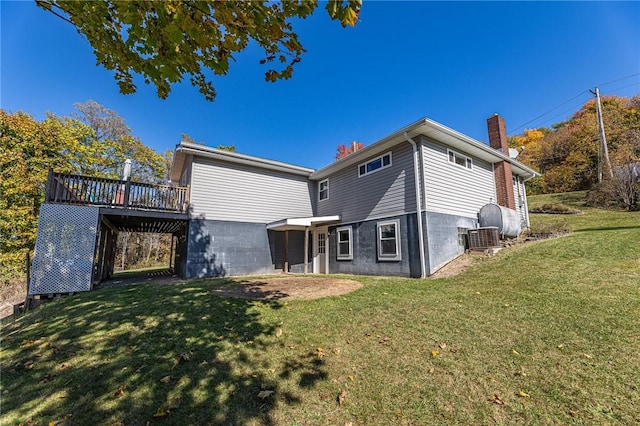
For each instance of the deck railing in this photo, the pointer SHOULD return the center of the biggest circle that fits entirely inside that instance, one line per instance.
(86, 190)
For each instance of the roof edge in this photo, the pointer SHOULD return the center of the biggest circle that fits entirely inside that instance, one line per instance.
(234, 157)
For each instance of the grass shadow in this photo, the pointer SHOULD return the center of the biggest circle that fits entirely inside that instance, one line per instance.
(147, 353)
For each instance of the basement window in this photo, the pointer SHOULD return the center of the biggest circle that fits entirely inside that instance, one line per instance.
(389, 240)
(459, 159)
(345, 246)
(376, 164)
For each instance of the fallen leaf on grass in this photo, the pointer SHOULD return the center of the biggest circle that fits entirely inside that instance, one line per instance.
(342, 397)
(442, 345)
(350, 377)
(279, 332)
(560, 346)
(47, 378)
(162, 411)
(166, 379)
(265, 394)
(496, 399)
(523, 394)
(515, 352)
(119, 392)
(183, 357)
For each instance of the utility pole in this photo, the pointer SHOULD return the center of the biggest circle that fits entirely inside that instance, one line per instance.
(603, 138)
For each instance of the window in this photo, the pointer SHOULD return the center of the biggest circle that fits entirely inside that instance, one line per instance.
(389, 240)
(376, 164)
(322, 239)
(463, 238)
(323, 189)
(345, 247)
(460, 160)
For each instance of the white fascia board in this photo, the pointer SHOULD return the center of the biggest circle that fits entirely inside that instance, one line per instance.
(300, 223)
(433, 130)
(234, 157)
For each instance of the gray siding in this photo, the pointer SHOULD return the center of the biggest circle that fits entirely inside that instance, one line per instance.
(442, 238)
(233, 192)
(453, 189)
(365, 248)
(386, 192)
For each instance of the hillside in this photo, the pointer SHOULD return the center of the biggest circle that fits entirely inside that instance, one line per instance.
(543, 333)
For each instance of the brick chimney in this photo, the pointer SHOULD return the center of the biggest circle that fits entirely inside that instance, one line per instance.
(502, 170)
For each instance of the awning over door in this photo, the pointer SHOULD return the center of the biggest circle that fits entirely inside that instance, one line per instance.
(301, 223)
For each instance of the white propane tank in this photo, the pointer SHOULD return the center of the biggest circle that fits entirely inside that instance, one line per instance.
(506, 220)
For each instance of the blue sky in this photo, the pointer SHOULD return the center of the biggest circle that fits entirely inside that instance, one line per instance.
(454, 62)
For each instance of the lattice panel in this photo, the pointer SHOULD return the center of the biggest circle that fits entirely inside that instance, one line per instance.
(65, 246)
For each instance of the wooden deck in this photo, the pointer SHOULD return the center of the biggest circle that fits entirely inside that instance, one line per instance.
(86, 190)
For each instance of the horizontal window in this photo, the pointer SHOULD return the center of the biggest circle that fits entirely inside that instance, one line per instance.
(375, 164)
(389, 240)
(323, 189)
(460, 160)
(345, 247)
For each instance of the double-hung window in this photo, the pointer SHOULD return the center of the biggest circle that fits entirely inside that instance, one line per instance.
(323, 189)
(389, 240)
(345, 243)
(374, 165)
(460, 160)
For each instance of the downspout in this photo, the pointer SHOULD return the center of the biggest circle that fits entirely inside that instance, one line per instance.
(418, 204)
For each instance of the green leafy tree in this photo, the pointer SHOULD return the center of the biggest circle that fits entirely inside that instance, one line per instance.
(111, 143)
(166, 41)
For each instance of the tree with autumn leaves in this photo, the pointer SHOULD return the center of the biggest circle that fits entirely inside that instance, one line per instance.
(569, 158)
(95, 141)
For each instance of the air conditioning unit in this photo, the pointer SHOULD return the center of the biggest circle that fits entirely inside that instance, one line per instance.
(483, 238)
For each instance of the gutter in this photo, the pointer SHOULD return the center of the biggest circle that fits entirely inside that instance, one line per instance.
(418, 204)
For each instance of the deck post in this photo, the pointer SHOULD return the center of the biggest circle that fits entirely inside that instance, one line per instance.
(47, 196)
(127, 192)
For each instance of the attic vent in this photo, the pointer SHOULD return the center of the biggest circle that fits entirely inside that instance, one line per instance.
(482, 238)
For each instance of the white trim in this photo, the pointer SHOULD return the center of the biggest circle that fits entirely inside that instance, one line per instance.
(384, 257)
(382, 166)
(316, 255)
(301, 222)
(234, 157)
(468, 161)
(348, 256)
(320, 190)
(431, 130)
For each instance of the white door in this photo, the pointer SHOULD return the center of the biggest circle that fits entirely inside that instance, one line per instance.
(320, 259)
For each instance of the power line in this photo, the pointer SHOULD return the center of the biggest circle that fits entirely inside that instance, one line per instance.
(551, 110)
(619, 79)
(620, 88)
(522, 126)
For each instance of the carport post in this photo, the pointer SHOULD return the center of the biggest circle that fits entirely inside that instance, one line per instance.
(286, 251)
(306, 249)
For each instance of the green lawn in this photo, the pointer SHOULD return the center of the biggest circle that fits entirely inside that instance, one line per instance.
(543, 333)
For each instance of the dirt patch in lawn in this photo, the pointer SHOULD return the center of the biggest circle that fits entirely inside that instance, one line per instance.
(287, 288)
(456, 266)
